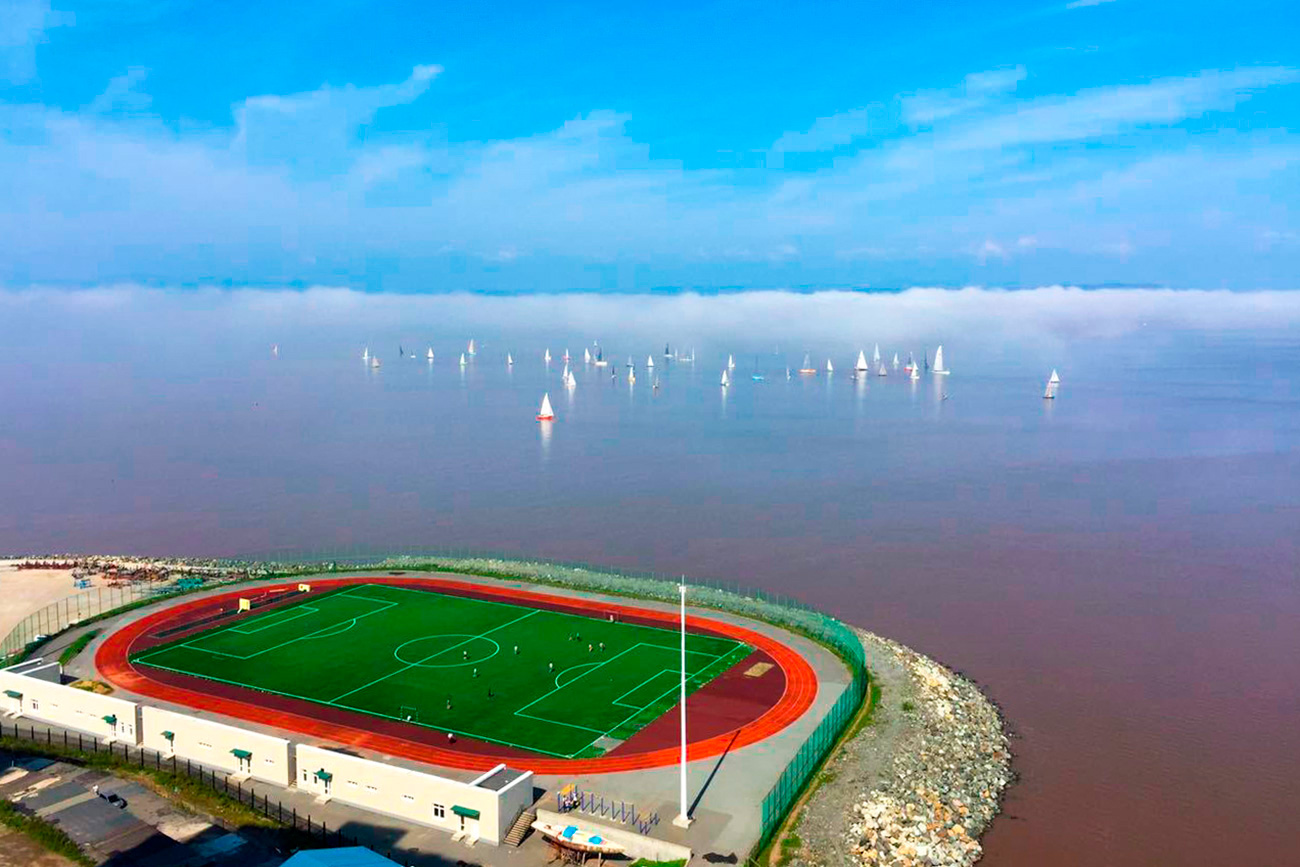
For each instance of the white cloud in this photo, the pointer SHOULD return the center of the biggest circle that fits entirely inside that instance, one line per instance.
(1083, 4)
(826, 133)
(976, 91)
(23, 25)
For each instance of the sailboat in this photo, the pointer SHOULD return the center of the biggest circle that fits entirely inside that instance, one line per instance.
(830, 368)
(586, 356)
(731, 363)
(631, 375)
(365, 354)
(1052, 383)
(880, 369)
(275, 350)
(547, 356)
(374, 361)
(510, 360)
(726, 380)
(876, 355)
(667, 351)
(808, 369)
(787, 373)
(649, 361)
(895, 361)
(462, 359)
(546, 413)
(939, 369)
(600, 357)
(916, 372)
(925, 360)
(429, 354)
(566, 355)
(470, 351)
(861, 366)
(401, 353)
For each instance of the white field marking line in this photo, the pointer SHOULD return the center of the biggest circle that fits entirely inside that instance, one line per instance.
(312, 634)
(619, 701)
(675, 686)
(559, 685)
(365, 711)
(565, 724)
(411, 665)
(302, 611)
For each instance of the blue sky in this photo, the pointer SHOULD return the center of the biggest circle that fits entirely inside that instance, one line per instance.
(435, 147)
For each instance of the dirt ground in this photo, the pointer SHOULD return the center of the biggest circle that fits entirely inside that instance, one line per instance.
(29, 590)
(17, 850)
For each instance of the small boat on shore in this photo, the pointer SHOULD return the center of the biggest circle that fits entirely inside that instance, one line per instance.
(573, 837)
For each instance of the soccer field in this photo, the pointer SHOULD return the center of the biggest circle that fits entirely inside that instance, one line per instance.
(523, 677)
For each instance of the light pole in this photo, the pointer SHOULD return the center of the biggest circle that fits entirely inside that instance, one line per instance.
(683, 820)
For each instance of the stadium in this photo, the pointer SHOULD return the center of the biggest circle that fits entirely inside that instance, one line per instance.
(523, 698)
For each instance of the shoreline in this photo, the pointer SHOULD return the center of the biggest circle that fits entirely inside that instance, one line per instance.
(917, 784)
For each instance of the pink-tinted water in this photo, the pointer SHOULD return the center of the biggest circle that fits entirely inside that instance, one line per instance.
(1118, 568)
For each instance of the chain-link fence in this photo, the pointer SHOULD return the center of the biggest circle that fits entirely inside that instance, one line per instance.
(758, 604)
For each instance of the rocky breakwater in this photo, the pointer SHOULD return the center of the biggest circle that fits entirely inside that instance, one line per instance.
(918, 785)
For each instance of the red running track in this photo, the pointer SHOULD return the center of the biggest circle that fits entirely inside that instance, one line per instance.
(113, 662)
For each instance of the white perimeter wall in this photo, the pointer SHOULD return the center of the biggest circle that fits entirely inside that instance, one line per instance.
(412, 795)
(211, 743)
(71, 708)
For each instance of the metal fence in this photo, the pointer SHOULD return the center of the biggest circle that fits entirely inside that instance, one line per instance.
(733, 597)
(296, 830)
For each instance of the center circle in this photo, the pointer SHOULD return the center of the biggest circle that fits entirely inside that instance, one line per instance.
(446, 651)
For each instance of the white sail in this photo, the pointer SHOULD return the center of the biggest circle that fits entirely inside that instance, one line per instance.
(938, 362)
(880, 369)
(916, 371)
(1050, 392)
(275, 351)
(365, 354)
(546, 413)
(726, 380)
(631, 375)
(566, 355)
(830, 368)
(895, 361)
(586, 356)
(876, 356)
(470, 350)
(807, 364)
(564, 377)
(510, 360)
(649, 361)
(429, 354)
(374, 361)
(547, 356)
(862, 361)
(462, 359)
(1054, 380)
(787, 373)
(731, 363)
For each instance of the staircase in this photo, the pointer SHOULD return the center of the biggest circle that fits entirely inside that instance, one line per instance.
(519, 830)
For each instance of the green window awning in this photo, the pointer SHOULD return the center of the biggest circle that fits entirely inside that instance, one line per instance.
(465, 811)
(324, 775)
(13, 693)
(241, 754)
(171, 736)
(111, 719)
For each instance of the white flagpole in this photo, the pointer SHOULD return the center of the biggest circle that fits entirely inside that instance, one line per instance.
(683, 820)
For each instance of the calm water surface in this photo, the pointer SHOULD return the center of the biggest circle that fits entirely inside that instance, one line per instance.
(1118, 567)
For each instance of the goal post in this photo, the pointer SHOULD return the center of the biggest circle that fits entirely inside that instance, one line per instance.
(408, 714)
(245, 604)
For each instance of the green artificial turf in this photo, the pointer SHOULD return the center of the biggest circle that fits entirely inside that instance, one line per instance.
(404, 654)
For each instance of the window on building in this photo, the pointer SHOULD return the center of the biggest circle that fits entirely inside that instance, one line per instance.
(439, 811)
(304, 776)
(205, 746)
(408, 797)
(268, 761)
(372, 788)
(352, 783)
(36, 704)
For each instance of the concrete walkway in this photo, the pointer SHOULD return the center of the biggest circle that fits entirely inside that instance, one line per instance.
(725, 792)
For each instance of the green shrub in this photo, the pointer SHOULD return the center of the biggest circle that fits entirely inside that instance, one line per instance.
(71, 651)
(44, 833)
